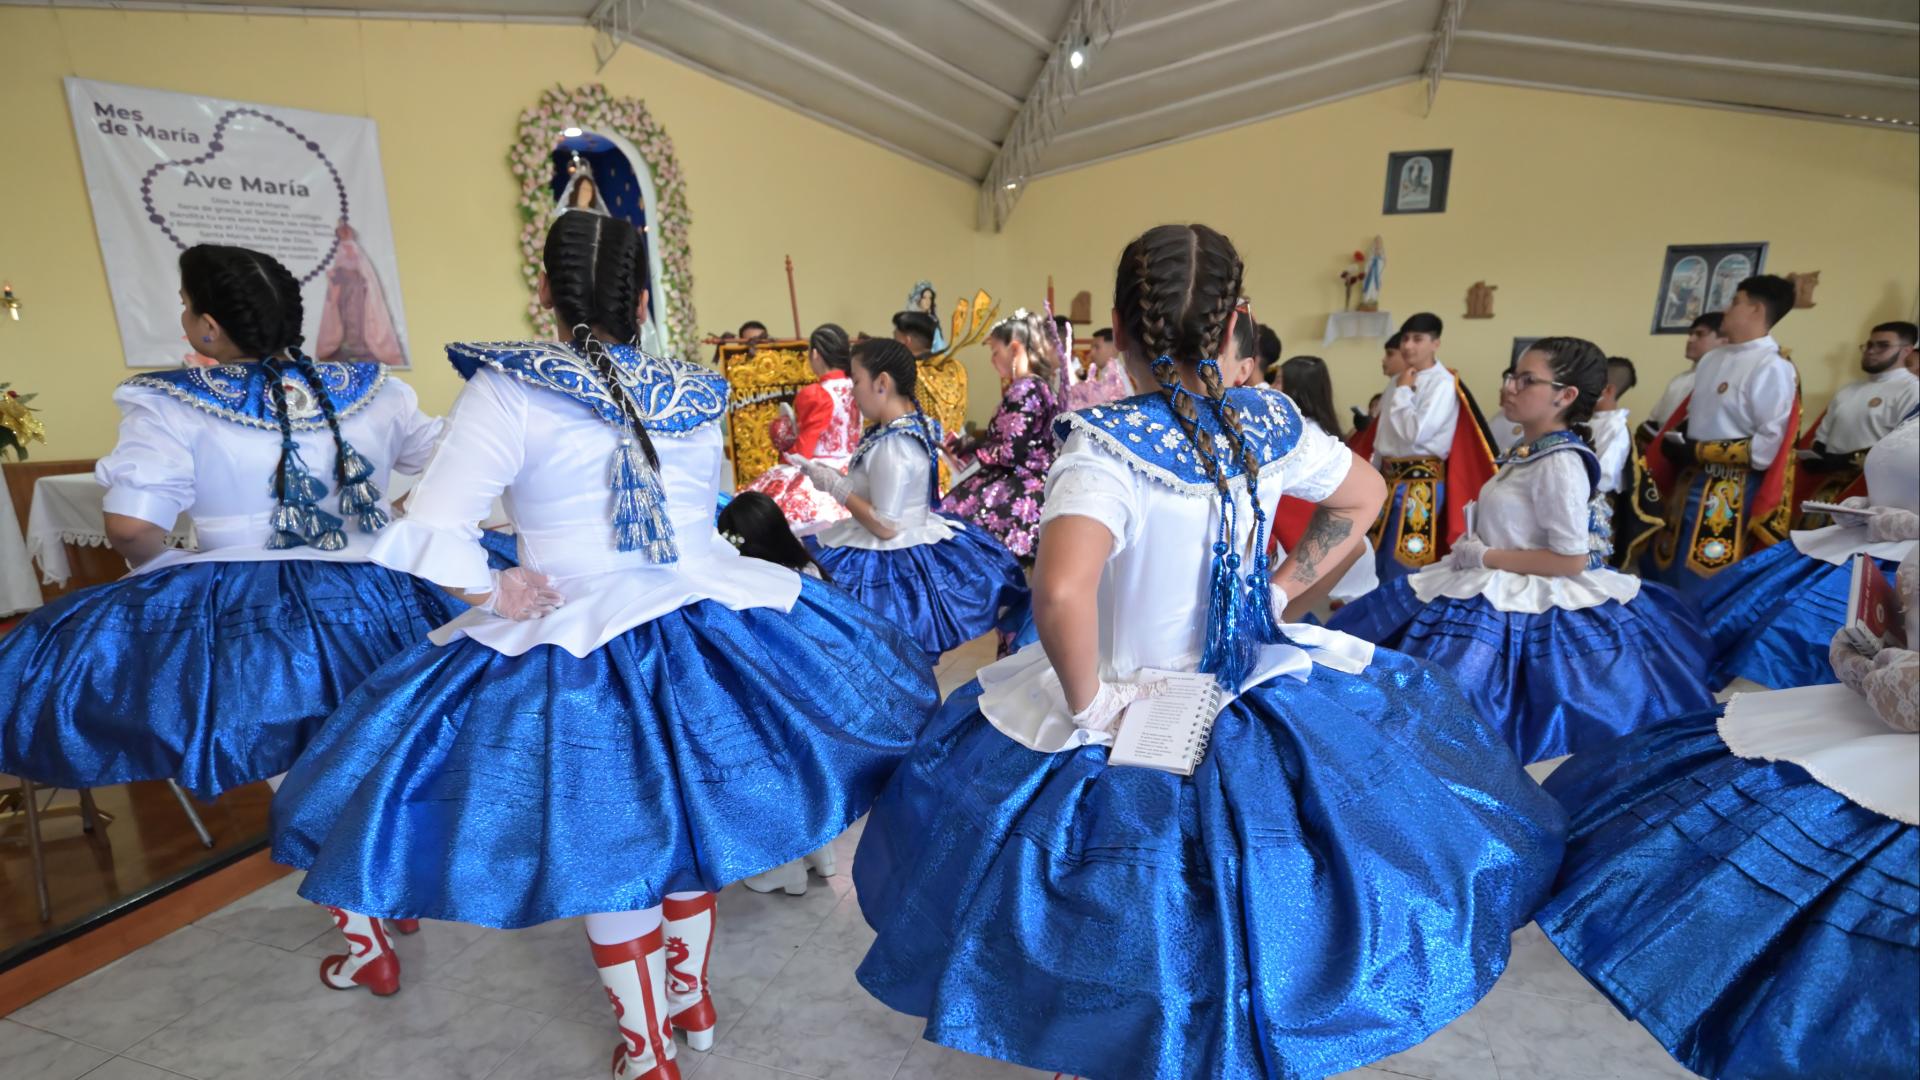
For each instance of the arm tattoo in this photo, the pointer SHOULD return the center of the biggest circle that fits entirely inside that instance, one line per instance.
(1326, 530)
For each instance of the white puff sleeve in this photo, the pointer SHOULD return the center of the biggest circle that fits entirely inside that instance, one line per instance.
(1087, 481)
(149, 475)
(1561, 500)
(897, 470)
(1316, 466)
(480, 454)
(417, 434)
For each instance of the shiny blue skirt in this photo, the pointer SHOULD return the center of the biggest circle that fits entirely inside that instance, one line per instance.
(1337, 881)
(1757, 923)
(214, 674)
(1554, 683)
(503, 549)
(693, 750)
(943, 595)
(1772, 616)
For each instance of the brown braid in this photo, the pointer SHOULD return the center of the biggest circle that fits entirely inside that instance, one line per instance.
(1176, 288)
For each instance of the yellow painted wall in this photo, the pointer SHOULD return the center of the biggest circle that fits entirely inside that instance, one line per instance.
(1566, 202)
(862, 224)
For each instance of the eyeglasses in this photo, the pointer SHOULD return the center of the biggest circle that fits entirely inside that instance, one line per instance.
(1878, 346)
(1526, 381)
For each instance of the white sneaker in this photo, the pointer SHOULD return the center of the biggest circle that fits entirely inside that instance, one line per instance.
(790, 878)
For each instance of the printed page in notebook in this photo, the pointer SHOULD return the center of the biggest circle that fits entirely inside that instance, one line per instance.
(1167, 731)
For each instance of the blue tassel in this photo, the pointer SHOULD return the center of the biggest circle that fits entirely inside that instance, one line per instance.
(353, 467)
(281, 541)
(1226, 655)
(640, 521)
(359, 497)
(373, 520)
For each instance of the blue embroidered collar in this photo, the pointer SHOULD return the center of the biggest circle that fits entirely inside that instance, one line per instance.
(1144, 431)
(910, 425)
(1552, 442)
(674, 397)
(239, 392)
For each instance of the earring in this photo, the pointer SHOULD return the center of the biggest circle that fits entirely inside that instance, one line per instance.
(206, 339)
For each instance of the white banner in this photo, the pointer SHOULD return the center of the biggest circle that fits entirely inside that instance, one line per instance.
(167, 171)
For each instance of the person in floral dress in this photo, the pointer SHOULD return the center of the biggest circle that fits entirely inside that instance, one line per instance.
(1005, 478)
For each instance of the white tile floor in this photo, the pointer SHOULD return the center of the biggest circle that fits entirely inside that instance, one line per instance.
(237, 997)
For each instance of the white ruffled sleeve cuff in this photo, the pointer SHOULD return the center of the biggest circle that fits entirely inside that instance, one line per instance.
(452, 558)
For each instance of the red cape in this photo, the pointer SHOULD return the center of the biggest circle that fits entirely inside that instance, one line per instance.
(1469, 466)
(1771, 515)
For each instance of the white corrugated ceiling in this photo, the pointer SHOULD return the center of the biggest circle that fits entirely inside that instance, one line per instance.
(943, 80)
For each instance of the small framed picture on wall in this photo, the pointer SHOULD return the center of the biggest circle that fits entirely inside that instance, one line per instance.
(1699, 278)
(1417, 181)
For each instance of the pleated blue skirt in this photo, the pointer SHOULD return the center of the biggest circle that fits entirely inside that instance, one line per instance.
(1554, 683)
(1757, 923)
(215, 674)
(944, 594)
(693, 750)
(1338, 880)
(1772, 616)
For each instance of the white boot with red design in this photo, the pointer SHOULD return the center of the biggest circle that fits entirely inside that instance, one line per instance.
(690, 922)
(633, 970)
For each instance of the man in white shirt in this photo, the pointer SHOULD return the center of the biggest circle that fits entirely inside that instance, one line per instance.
(1702, 338)
(1413, 443)
(1738, 421)
(1860, 414)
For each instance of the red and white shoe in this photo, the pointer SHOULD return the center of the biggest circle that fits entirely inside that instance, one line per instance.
(405, 926)
(634, 974)
(689, 930)
(369, 960)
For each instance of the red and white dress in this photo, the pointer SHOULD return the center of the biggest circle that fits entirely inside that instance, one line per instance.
(827, 429)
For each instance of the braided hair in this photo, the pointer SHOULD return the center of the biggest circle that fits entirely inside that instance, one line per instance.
(256, 301)
(1578, 363)
(593, 272)
(1175, 289)
(1029, 328)
(830, 341)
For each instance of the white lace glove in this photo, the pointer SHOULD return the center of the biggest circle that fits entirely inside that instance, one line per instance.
(1853, 502)
(1112, 700)
(1278, 598)
(1892, 523)
(521, 594)
(828, 479)
(1467, 554)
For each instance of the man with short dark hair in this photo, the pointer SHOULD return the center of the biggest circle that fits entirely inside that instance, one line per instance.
(915, 330)
(1702, 338)
(752, 330)
(1727, 480)
(1433, 457)
(1861, 413)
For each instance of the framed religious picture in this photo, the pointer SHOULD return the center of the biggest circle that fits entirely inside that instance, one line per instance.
(1417, 181)
(1698, 278)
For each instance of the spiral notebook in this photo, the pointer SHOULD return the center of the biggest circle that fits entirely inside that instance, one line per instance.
(1168, 731)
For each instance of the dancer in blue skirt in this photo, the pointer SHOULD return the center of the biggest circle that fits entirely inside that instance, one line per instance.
(636, 716)
(214, 668)
(1747, 886)
(1556, 650)
(1769, 614)
(1339, 875)
(941, 580)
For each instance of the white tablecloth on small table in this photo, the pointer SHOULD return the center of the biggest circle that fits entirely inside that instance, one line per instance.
(70, 510)
(1358, 324)
(19, 591)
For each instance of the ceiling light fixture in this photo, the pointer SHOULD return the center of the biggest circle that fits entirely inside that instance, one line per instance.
(1077, 59)
(572, 133)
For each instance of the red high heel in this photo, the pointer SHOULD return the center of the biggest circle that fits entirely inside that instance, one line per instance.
(369, 960)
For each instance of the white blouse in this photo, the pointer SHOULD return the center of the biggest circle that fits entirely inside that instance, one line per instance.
(1744, 391)
(1418, 420)
(1540, 505)
(173, 458)
(1893, 479)
(547, 457)
(1612, 444)
(893, 476)
(1153, 590)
